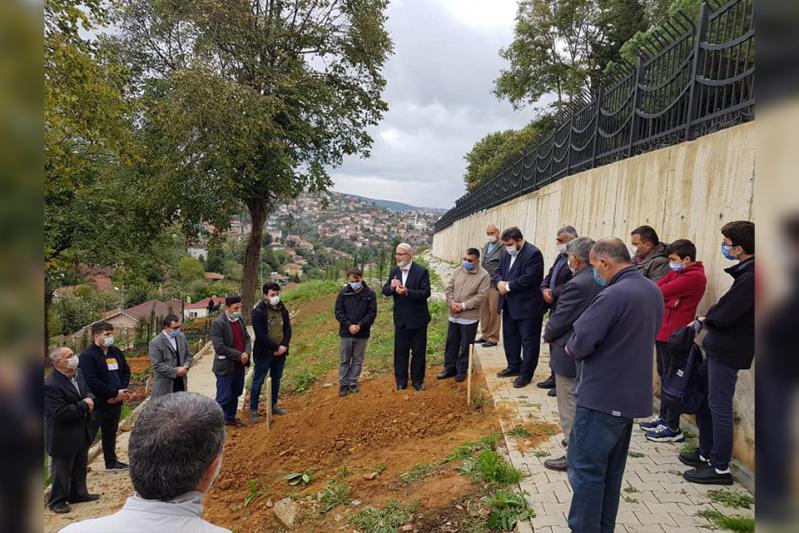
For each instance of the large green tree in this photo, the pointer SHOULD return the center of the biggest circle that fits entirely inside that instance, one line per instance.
(250, 102)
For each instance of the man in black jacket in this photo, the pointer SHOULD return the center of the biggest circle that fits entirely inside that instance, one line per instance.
(272, 326)
(67, 430)
(107, 374)
(729, 346)
(574, 298)
(356, 310)
(409, 284)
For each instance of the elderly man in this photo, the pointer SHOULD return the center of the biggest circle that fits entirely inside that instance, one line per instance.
(490, 319)
(175, 455)
(552, 284)
(409, 284)
(170, 357)
(518, 278)
(612, 344)
(67, 430)
(232, 349)
(575, 297)
(466, 292)
(650, 258)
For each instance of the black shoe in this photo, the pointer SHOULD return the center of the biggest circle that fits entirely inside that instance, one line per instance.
(402, 387)
(548, 383)
(122, 466)
(560, 465)
(507, 373)
(460, 378)
(235, 423)
(707, 475)
(354, 389)
(420, 387)
(279, 411)
(693, 459)
(61, 508)
(445, 375)
(481, 340)
(552, 393)
(86, 498)
(489, 344)
(343, 390)
(521, 382)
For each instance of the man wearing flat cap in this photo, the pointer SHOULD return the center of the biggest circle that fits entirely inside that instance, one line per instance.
(409, 284)
(232, 349)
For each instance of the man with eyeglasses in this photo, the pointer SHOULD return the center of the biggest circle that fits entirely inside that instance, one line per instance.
(171, 358)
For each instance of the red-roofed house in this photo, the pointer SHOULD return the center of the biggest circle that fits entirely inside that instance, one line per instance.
(213, 276)
(200, 309)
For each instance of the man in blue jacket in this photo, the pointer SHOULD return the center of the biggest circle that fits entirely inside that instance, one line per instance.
(518, 278)
(613, 344)
(107, 374)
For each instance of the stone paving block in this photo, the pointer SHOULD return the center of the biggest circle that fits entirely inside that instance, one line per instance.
(690, 520)
(523, 527)
(544, 520)
(541, 497)
(562, 508)
(664, 508)
(627, 518)
(644, 528)
(564, 496)
(662, 520)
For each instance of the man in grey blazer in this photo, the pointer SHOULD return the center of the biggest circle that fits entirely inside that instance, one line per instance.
(575, 297)
(232, 349)
(490, 319)
(171, 358)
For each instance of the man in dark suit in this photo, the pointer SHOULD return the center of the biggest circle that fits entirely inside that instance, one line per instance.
(67, 430)
(409, 284)
(232, 348)
(107, 374)
(518, 279)
(575, 297)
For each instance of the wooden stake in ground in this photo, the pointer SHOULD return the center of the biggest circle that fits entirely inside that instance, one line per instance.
(269, 406)
(469, 378)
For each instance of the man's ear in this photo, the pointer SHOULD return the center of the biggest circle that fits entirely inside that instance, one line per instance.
(210, 474)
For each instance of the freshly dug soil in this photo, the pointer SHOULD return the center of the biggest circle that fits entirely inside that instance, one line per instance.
(367, 441)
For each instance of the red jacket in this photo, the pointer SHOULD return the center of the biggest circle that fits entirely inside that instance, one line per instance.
(682, 292)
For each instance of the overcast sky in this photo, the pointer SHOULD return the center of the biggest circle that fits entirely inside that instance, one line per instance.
(440, 102)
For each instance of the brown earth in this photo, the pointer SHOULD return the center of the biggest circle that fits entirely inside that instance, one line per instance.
(378, 431)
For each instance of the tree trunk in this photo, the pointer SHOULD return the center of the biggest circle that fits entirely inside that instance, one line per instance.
(252, 258)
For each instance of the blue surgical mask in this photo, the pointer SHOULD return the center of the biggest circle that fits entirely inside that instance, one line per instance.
(174, 333)
(356, 285)
(236, 315)
(677, 267)
(599, 279)
(468, 266)
(725, 251)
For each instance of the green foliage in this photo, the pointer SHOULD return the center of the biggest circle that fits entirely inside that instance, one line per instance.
(190, 269)
(334, 494)
(519, 431)
(736, 523)
(489, 467)
(304, 379)
(419, 472)
(469, 448)
(507, 508)
(70, 313)
(731, 498)
(310, 291)
(689, 447)
(386, 520)
(636, 455)
(298, 478)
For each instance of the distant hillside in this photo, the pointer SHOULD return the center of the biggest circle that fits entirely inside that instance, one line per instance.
(395, 206)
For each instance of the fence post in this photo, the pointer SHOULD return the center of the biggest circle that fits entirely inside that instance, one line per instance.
(569, 138)
(639, 75)
(599, 95)
(699, 38)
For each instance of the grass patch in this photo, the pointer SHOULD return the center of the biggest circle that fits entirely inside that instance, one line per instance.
(636, 455)
(334, 494)
(419, 472)
(506, 509)
(386, 520)
(629, 489)
(254, 490)
(689, 447)
(738, 523)
(519, 432)
(469, 448)
(310, 290)
(541, 453)
(489, 467)
(731, 498)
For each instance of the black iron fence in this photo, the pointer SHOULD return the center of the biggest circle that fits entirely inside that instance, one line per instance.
(692, 78)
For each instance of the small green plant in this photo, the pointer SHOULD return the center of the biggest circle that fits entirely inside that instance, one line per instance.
(629, 489)
(468, 449)
(731, 498)
(386, 520)
(253, 491)
(491, 468)
(334, 494)
(419, 472)
(541, 453)
(549, 430)
(519, 431)
(630, 499)
(298, 478)
(479, 400)
(507, 508)
(636, 455)
(738, 523)
(689, 434)
(689, 447)
(304, 379)
(380, 468)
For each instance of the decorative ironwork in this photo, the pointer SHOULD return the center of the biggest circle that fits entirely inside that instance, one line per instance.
(692, 78)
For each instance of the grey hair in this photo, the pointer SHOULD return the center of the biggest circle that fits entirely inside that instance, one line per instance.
(612, 248)
(174, 441)
(568, 230)
(405, 246)
(55, 353)
(581, 248)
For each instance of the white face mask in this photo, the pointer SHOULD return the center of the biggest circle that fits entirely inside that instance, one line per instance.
(274, 300)
(492, 238)
(512, 250)
(572, 269)
(633, 250)
(72, 362)
(562, 248)
(108, 341)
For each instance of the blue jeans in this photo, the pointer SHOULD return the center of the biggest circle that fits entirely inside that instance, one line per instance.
(522, 340)
(714, 420)
(228, 390)
(597, 456)
(272, 365)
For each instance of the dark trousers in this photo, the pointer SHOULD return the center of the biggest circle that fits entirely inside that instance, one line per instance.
(715, 419)
(522, 340)
(228, 390)
(273, 366)
(597, 455)
(670, 416)
(456, 351)
(106, 419)
(68, 475)
(406, 342)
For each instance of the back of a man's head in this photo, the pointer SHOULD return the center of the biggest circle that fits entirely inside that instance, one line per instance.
(612, 250)
(174, 441)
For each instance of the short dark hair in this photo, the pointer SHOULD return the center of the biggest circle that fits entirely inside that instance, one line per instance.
(512, 234)
(683, 248)
(233, 299)
(355, 272)
(270, 287)
(473, 251)
(741, 233)
(647, 234)
(168, 319)
(175, 439)
(612, 247)
(101, 327)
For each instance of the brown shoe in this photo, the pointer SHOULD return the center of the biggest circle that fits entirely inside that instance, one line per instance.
(561, 464)
(235, 423)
